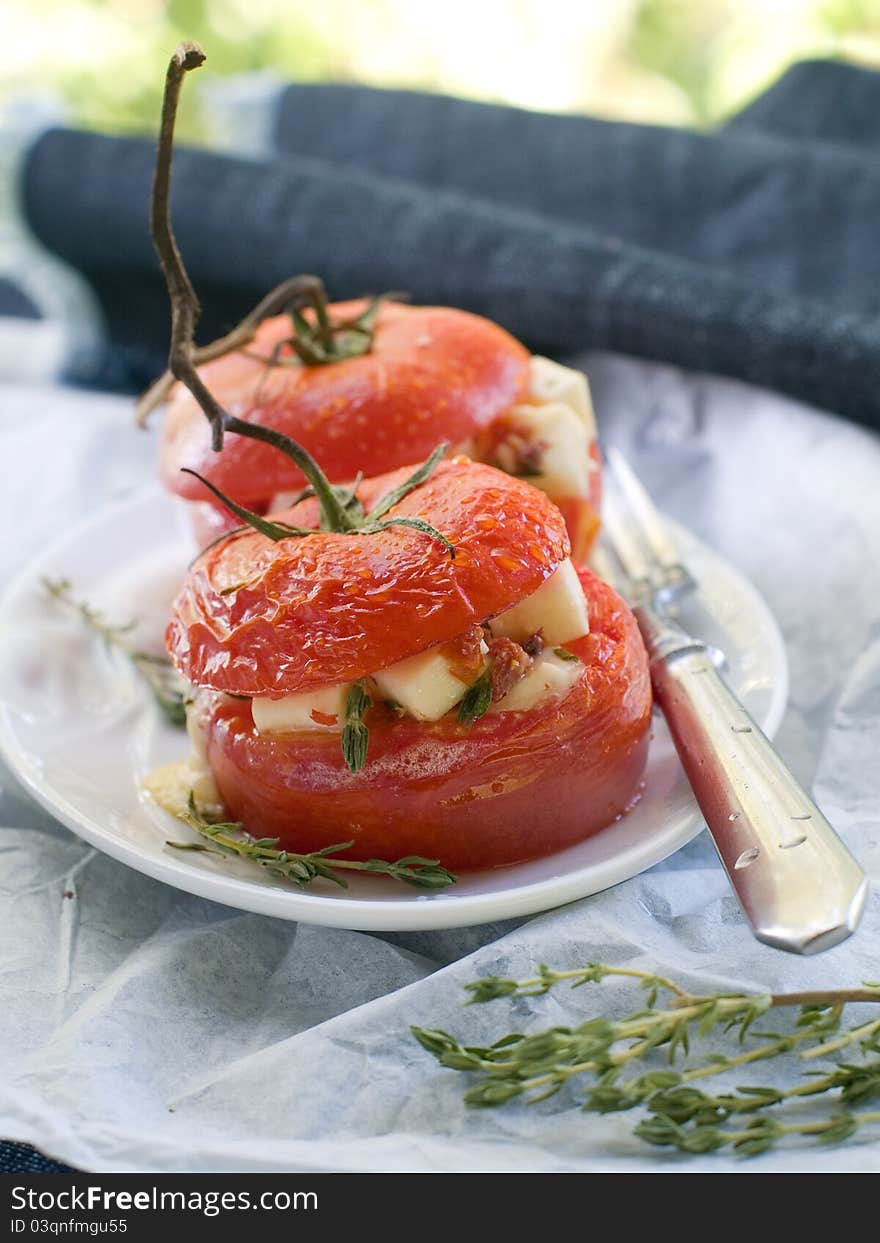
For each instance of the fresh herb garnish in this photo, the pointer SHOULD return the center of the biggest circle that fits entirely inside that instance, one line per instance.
(355, 735)
(168, 687)
(356, 522)
(564, 654)
(477, 700)
(679, 1115)
(228, 838)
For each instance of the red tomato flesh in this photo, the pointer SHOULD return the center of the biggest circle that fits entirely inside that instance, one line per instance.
(510, 787)
(433, 374)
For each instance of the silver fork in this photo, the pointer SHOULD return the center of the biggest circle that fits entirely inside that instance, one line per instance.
(799, 886)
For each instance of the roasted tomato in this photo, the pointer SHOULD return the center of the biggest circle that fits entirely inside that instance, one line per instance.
(511, 786)
(431, 374)
(271, 619)
(505, 694)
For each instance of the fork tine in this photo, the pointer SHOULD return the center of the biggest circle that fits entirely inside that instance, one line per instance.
(620, 535)
(642, 509)
(603, 563)
(635, 511)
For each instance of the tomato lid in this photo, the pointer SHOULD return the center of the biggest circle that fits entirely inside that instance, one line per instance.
(261, 618)
(433, 373)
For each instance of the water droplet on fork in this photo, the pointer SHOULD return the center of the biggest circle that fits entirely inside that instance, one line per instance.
(747, 857)
(795, 841)
(742, 729)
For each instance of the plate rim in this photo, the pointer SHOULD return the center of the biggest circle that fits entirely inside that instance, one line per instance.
(417, 911)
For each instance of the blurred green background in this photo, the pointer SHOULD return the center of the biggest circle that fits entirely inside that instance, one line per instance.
(652, 60)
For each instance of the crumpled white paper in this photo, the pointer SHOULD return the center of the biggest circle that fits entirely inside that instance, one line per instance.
(142, 1029)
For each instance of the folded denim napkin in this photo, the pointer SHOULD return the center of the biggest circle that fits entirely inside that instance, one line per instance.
(749, 251)
(22, 1159)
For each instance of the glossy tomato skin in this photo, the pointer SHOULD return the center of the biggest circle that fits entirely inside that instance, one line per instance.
(261, 618)
(581, 510)
(510, 787)
(582, 515)
(433, 374)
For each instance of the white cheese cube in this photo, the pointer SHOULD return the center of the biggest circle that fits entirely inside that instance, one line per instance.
(552, 382)
(558, 609)
(565, 462)
(423, 685)
(550, 678)
(295, 712)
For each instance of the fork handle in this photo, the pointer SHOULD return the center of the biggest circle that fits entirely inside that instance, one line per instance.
(799, 886)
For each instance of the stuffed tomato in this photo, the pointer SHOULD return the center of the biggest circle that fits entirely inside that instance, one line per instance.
(373, 400)
(477, 699)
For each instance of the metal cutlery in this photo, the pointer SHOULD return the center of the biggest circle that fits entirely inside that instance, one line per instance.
(799, 886)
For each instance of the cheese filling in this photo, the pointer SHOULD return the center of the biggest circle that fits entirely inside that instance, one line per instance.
(557, 610)
(551, 677)
(425, 686)
(322, 708)
(549, 437)
(551, 383)
(430, 684)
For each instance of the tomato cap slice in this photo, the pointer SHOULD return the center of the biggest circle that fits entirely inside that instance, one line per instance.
(258, 618)
(433, 373)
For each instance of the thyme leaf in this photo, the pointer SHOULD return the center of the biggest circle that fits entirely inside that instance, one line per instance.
(419, 476)
(476, 701)
(229, 838)
(417, 524)
(356, 735)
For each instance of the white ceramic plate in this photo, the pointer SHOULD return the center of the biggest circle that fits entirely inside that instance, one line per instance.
(80, 730)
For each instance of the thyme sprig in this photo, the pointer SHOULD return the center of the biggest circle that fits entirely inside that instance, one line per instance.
(168, 687)
(355, 734)
(229, 838)
(337, 512)
(605, 1052)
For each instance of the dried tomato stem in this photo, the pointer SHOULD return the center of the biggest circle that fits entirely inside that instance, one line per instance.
(337, 511)
(281, 298)
(326, 342)
(185, 307)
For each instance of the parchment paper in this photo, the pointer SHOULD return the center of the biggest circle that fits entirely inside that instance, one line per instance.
(142, 1029)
